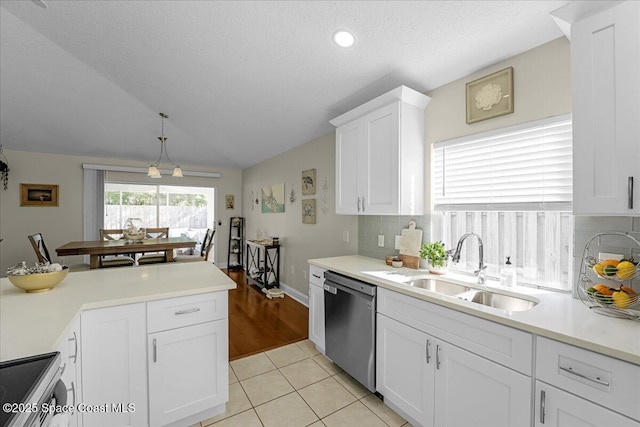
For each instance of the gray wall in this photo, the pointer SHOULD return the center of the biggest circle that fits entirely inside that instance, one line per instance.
(300, 242)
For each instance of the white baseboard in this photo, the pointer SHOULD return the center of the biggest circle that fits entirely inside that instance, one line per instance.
(295, 294)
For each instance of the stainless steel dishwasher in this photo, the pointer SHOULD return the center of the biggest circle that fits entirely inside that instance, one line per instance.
(350, 326)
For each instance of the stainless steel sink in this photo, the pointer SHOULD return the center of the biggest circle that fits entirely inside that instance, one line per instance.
(445, 288)
(499, 301)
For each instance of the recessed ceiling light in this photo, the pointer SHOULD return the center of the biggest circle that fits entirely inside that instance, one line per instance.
(343, 38)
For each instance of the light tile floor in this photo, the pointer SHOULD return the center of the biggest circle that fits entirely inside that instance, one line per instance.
(296, 386)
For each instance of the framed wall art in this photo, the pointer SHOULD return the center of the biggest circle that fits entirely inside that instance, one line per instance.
(273, 199)
(490, 96)
(38, 195)
(229, 201)
(309, 211)
(309, 182)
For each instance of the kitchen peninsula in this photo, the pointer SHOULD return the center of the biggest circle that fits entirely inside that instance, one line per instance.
(135, 330)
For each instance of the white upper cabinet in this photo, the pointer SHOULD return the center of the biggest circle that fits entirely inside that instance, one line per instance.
(605, 70)
(380, 156)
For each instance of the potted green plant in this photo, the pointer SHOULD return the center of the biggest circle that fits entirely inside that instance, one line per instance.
(437, 257)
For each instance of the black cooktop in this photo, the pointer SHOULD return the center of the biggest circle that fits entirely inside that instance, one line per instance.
(19, 378)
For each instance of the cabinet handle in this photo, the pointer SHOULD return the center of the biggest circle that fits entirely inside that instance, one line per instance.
(75, 346)
(358, 204)
(316, 276)
(362, 203)
(428, 347)
(155, 351)
(596, 380)
(191, 310)
(73, 392)
(438, 356)
(630, 191)
(542, 405)
(62, 369)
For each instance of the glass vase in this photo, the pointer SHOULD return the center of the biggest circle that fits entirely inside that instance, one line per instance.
(133, 230)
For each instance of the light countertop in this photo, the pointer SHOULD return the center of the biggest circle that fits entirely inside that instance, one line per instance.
(556, 316)
(35, 323)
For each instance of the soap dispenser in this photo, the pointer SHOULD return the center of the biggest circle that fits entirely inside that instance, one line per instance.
(508, 274)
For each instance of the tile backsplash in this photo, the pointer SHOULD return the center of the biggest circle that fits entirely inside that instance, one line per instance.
(370, 226)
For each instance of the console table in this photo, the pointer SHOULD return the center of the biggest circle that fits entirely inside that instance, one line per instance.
(263, 264)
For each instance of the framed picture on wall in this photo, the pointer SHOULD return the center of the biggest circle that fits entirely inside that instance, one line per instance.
(309, 211)
(491, 96)
(309, 182)
(38, 195)
(229, 201)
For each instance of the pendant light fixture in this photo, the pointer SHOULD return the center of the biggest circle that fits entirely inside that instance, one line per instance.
(154, 172)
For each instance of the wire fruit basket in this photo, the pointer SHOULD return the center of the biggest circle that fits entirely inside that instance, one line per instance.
(604, 285)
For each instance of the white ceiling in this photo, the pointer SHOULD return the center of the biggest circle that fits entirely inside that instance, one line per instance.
(241, 81)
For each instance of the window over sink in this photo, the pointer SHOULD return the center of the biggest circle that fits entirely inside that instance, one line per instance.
(514, 188)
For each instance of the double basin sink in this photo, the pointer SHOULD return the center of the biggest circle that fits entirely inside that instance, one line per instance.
(478, 296)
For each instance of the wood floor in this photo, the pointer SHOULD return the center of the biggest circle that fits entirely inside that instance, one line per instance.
(258, 324)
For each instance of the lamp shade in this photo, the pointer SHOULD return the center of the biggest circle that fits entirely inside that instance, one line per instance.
(153, 172)
(177, 172)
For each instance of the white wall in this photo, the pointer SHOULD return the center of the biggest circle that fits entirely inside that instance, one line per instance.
(299, 241)
(64, 223)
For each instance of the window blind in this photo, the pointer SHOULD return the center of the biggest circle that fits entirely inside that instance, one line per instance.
(525, 168)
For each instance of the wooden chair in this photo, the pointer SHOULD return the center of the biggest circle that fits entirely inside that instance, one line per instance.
(37, 242)
(205, 248)
(154, 257)
(114, 260)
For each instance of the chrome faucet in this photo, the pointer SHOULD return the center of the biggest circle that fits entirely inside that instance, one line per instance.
(480, 273)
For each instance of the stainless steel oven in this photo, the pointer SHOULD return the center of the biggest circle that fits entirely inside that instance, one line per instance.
(31, 391)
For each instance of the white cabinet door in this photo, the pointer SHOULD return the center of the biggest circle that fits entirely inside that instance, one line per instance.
(405, 369)
(473, 391)
(380, 156)
(316, 316)
(348, 139)
(605, 66)
(71, 373)
(557, 408)
(114, 369)
(378, 161)
(188, 371)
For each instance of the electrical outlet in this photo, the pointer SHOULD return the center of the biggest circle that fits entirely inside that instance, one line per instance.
(345, 236)
(397, 242)
(606, 255)
(292, 270)
(219, 223)
(304, 274)
(381, 240)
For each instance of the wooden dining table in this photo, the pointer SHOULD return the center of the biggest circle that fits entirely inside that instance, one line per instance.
(97, 248)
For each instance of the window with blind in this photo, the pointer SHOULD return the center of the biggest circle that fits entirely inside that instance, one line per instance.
(513, 187)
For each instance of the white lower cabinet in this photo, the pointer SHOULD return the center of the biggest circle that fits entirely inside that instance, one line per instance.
(187, 371)
(316, 307)
(405, 369)
(577, 387)
(473, 391)
(558, 408)
(114, 366)
(435, 383)
(179, 344)
(70, 367)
